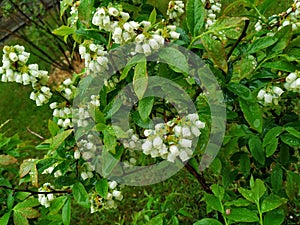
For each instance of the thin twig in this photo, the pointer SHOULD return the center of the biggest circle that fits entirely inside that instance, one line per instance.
(35, 134)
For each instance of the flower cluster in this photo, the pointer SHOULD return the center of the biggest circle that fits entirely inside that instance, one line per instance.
(46, 198)
(15, 69)
(290, 17)
(270, 95)
(293, 82)
(74, 13)
(113, 19)
(108, 202)
(95, 58)
(63, 114)
(173, 139)
(67, 89)
(88, 172)
(212, 9)
(175, 10)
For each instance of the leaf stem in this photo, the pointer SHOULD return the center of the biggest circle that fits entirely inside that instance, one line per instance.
(37, 192)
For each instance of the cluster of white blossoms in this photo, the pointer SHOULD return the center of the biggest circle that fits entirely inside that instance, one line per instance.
(113, 19)
(15, 69)
(212, 9)
(293, 82)
(270, 95)
(45, 199)
(49, 170)
(175, 10)
(88, 172)
(63, 113)
(74, 13)
(173, 139)
(95, 58)
(67, 89)
(109, 202)
(290, 17)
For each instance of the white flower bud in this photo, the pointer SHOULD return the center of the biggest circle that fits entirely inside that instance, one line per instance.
(261, 94)
(18, 78)
(42, 98)
(186, 143)
(106, 21)
(291, 77)
(174, 35)
(67, 82)
(126, 36)
(200, 124)
(33, 96)
(171, 157)
(174, 150)
(33, 66)
(82, 50)
(157, 142)
(23, 59)
(195, 130)
(13, 57)
(183, 156)
(93, 47)
(84, 175)
(68, 91)
(268, 98)
(25, 78)
(154, 45)
(113, 11)
(50, 197)
(286, 23)
(147, 146)
(140, 38)
(76, 154)
(278, 90)
(177, 130)
(186, 132)
(147, 132)
(146, 49)
(117, 32)
(112, 184)
(125, 16)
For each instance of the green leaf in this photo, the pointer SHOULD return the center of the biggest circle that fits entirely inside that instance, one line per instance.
(53, 128)
(271, 135)
(175, 59)
(157, 220)
(242, 91)
(28, 203)
(64, 30)
(5, 218)
(57, 204)
(259, 189)
(7, 160)
(275, 217)
(45, 164)
(152, 17)
(247, 194)
(132, 61)
(261, 43)
(239, 202)
(19, 219)
(112, 108)
(277, 178)
(242, 215)
(256, 149)
(218, 191)
(110, 141)
(207, 221)
(92, 34)
(145, 107)
(293, 131)
(272, 202)
(245, 164)
(98, 116)
(29, 213)
(215, 51)
(292, 185)
(252, 114)
(85, 11)
(284, 36)
(140, 79)
(66, 213)
(27, 166)
(213, 202)
(102, 187)
(290, 140)
(195, 13)
(57, 140)
(80, 195)
(271, 148)
(280, 65)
